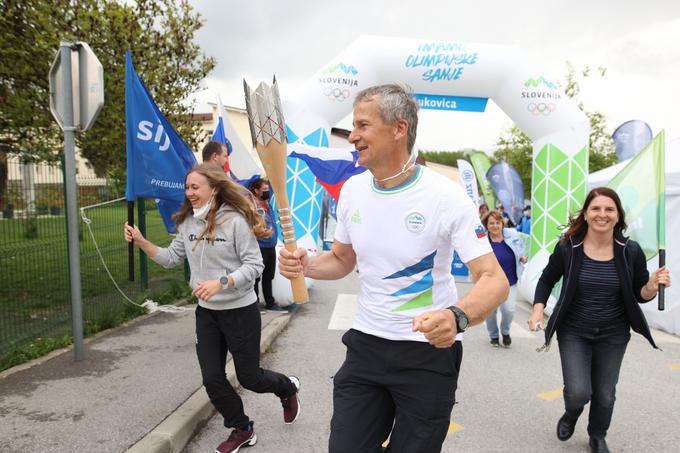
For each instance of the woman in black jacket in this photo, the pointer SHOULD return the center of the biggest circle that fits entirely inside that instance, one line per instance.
(605, 278)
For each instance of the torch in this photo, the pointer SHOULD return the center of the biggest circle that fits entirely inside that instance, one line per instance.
(268, 131)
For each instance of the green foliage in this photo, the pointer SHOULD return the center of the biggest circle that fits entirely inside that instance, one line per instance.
(37, 348)
(160, 34)
(515, 147)
(449, 158)
(28, 41)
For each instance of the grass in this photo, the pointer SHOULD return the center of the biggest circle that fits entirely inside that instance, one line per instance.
(35, 306)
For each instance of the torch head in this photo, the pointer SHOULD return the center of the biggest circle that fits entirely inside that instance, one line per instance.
(265, 115)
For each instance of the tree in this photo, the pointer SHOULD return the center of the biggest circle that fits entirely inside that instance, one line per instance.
(515, 147)
(160, 34)
(443, 157)
(27, 47)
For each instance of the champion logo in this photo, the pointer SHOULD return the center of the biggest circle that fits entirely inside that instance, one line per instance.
(479, 231)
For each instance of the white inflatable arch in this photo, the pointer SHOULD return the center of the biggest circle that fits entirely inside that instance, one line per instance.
(462, 77)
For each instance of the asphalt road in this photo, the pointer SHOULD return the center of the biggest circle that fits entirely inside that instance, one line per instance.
(509, 400)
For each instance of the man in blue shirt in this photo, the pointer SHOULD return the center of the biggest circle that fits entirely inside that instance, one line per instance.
(525, 223)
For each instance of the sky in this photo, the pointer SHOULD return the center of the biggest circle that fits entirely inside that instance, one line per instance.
(637, 42)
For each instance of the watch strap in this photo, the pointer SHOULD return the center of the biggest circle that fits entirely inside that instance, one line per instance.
(462, 321)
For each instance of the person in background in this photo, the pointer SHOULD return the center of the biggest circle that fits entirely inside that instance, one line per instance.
(216, 153)
(260, 189)
(509, 250)
(507, 221)
(483, 209)
(216, 229)
(604, 279)
(525, 222)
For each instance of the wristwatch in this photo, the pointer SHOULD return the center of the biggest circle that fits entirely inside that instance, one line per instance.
(224, 282)
(462, 320)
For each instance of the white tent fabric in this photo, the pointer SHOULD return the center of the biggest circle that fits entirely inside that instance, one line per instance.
(669, 319)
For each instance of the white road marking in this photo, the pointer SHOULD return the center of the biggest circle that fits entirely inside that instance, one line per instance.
(343, 312)
(661, 337)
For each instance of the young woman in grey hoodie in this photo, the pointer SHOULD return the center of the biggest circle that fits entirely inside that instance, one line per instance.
(216, 232)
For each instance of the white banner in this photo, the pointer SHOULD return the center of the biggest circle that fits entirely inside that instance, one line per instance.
(468, 180)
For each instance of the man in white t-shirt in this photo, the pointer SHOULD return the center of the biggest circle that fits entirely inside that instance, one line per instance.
(400, 223)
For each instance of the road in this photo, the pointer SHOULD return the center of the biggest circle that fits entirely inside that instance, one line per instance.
(509, 400)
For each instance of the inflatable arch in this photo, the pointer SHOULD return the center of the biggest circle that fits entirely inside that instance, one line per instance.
(459, 77)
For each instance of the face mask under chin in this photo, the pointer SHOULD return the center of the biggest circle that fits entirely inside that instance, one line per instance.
(410, 163)
(202, 212)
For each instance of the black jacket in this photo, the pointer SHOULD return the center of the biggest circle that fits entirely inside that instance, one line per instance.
(566, 261)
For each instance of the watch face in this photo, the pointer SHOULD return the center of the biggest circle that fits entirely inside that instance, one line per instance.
(461, 319)
(224, 281)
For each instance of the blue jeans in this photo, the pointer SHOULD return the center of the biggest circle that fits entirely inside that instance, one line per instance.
(591, 361)
(507, 314)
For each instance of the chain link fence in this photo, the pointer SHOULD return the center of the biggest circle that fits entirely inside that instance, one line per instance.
(35, 306)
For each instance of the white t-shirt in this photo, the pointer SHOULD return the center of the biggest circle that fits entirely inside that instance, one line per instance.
(404, 240)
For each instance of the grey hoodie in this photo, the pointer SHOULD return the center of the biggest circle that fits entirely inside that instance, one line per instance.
(235, 252)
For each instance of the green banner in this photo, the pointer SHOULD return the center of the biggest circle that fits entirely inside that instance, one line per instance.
(558, 188)
(480, 162)
(641, 185)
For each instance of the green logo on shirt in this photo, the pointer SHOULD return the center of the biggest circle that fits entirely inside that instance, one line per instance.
(356, 217)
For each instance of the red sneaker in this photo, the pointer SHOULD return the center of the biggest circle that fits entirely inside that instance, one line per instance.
(291, 405)
(237, 439)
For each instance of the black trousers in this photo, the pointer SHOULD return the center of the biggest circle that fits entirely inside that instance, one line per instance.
(236, 331)
(269, 260)
(591, 362)
(407, 388)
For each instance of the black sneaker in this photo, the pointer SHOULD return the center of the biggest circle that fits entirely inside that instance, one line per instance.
(495, 343)
(507, 341)
(275, 308)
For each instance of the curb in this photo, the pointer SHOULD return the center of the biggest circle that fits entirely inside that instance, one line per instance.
(175, 432)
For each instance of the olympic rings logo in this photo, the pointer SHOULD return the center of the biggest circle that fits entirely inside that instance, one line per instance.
(541, 108)
(336, 94)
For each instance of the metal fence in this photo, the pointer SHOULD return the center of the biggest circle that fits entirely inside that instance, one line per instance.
(35, 307)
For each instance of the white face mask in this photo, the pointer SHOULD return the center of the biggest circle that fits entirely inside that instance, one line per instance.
(202, 212)
(410, 163)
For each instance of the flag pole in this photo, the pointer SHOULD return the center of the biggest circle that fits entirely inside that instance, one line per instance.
(662, 288)
(661, 212)
(131, 245)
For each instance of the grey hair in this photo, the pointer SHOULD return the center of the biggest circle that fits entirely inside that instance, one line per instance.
(394, 104)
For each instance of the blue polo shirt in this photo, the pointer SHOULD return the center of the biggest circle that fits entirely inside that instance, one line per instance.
(506, 258)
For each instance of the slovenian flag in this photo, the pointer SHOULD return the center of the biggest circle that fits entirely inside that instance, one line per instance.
(331, 166)
(220, 135)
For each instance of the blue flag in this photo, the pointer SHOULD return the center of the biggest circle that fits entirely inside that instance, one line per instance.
(509, 189)
(157, 157)
(630, 138)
